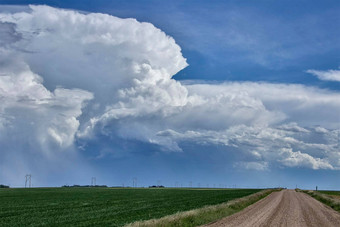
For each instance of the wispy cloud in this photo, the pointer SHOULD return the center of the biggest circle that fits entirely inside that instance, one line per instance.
(331, 75)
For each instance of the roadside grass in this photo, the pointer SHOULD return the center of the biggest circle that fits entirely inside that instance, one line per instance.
(103, 206)
(204, 215)
(330, 198)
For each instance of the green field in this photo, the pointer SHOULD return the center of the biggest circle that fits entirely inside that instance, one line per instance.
(333, 193)
(334, 202)
(103, 206)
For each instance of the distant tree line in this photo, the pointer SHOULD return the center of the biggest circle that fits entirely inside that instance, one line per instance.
(84, 186)
(156, 186)
(3, 186)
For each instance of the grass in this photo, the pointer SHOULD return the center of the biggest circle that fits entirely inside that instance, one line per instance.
(103, 206)
(204, 215)
(330, 198)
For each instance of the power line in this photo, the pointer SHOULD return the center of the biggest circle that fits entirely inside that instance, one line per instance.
(28, 180)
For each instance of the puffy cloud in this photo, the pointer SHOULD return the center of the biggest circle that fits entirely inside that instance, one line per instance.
(321, 130)
(72, 78)
(298, 159)
(113, 53)
(332, 75)
(51, 115)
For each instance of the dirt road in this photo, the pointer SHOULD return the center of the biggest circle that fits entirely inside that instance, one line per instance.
(284, 208)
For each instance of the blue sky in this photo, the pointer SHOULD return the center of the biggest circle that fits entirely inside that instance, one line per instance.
(253, 100)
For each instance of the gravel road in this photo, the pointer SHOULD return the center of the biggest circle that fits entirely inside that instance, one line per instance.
(284, 208)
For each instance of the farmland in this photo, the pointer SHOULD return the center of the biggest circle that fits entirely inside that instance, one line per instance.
(331, 193)
(103, 206)
(330, 198)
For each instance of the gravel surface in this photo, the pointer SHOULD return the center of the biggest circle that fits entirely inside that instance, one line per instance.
(284, 208)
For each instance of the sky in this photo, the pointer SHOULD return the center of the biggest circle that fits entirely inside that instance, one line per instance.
(201, 93)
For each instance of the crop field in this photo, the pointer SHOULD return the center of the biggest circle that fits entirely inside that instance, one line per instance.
(103, 206)
(331, 193)
(330, 198)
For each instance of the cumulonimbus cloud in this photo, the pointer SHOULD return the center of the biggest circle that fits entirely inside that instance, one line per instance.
(68, 77)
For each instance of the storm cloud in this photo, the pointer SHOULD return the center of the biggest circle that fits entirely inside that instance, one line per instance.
(68, 79)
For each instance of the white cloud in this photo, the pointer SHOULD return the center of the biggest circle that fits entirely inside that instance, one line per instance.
(113, 53)
(294, 127)
(268, 145)
(298, 159)
(260, 166)
(321, 130)
(297, 103)
(331, 75)
(49, 115)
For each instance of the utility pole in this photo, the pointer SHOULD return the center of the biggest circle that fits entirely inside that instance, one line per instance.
(134, 182)
(93, 181)
(28, 179)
